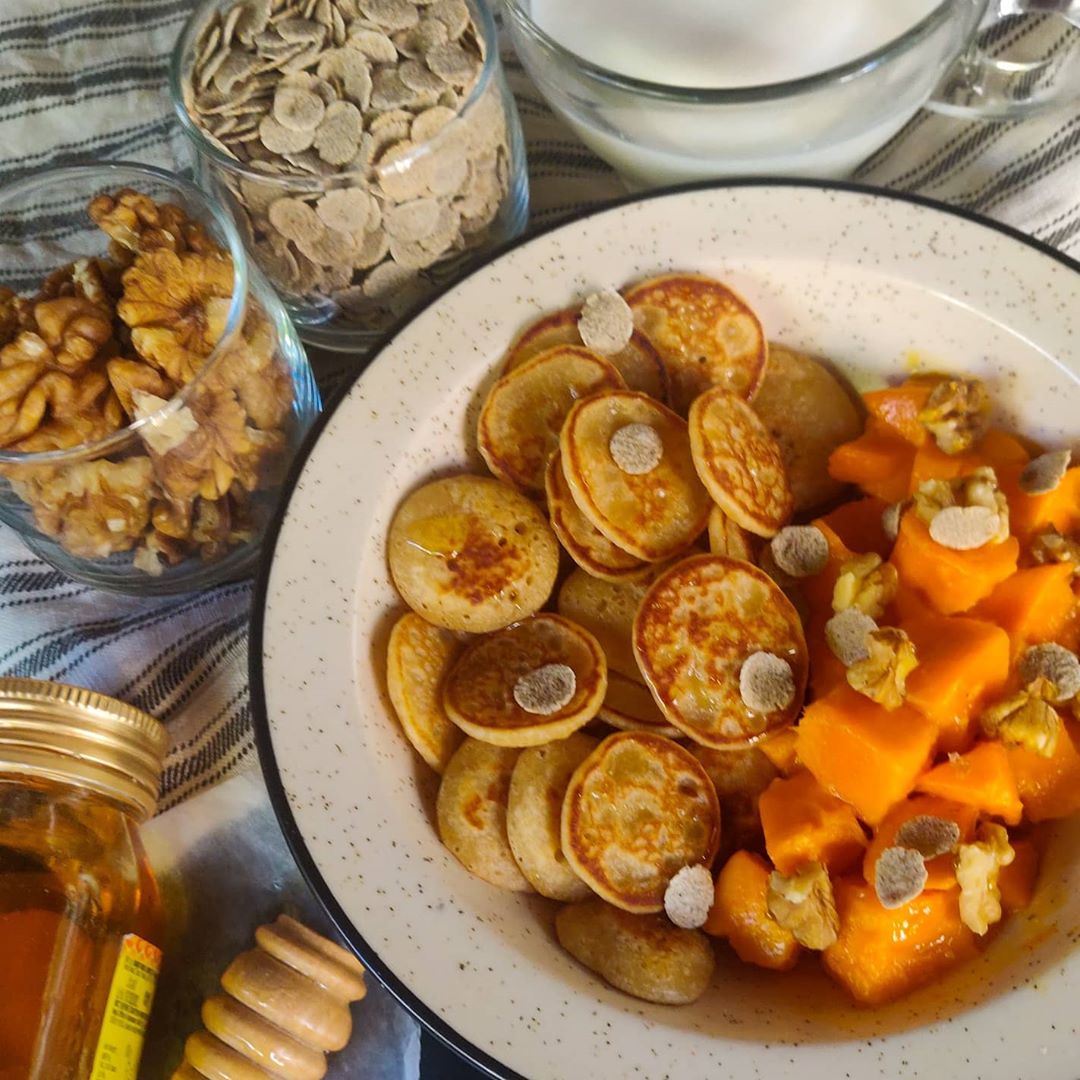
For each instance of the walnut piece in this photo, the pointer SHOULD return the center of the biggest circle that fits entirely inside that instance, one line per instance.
(222, 449)
(76, 330)
(957, 414)
(1026, 718)
(176, 307)
(865, 583)
(882, 676)
(139, 224)
(94, 508)
(127, 376)
(978, 867)
(1051, 547)
(803, 903)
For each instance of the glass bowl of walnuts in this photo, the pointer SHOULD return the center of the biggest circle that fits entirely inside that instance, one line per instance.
(369, 150)
(152, 388)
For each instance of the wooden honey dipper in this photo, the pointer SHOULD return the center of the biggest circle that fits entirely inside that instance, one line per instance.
(285, 1006)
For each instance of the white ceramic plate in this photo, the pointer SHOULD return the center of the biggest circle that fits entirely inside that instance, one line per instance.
(862, 277)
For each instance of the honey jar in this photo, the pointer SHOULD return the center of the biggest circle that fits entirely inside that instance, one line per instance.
(80, 920)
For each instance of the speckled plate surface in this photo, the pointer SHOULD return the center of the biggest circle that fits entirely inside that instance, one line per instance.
(864, 278)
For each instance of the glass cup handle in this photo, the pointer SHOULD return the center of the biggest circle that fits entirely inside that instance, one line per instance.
(1031, 73)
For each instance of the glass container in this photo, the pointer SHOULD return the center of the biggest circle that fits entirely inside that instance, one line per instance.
(80, 916)
(152, 387)
(437, 180)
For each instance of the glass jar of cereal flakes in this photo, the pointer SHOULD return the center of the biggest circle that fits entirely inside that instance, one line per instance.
(368, 149)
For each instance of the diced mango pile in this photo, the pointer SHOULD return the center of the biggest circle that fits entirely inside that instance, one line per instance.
(920, 769)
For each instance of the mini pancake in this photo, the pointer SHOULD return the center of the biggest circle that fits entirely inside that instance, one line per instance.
(642, 955)
(471, 812)
(470, 553)
(520, 421)
(809, 413)
(739, 776)
(607, 609)
(479, 692)
(696, 626)
(727, 538)
(417, 660)
(586, 544)
(653, 515)
(638, 810)
(629, 706)
(639, 363)
(706, 334)
(534, 812)
(739, 462)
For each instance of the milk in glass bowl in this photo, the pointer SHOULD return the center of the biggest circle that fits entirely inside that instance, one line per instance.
(694, 89)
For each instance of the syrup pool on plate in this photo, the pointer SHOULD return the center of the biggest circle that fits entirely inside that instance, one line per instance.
(725, 43)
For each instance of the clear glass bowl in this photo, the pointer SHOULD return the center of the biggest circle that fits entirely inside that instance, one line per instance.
(147, 414)
(821, 125)
(344, 285)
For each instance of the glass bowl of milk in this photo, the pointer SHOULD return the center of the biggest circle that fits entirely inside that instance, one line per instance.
(696, 89)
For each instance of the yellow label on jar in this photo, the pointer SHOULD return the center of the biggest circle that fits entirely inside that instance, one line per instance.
(127, 1011)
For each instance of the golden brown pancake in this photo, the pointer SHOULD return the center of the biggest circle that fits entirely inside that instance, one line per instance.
(534, 813)
(471, 812)
(479, 692)
(607, 609)
(470, 553)
(727, 538)
(637, 811)
(418, 657)
(809, 412)
(653, 515)
(739, 462)
(739, 776)
(520, 421)
(586, 544)
(629, 706)
(697, 625)
(639, 363)
(706, 335)
(642, 955)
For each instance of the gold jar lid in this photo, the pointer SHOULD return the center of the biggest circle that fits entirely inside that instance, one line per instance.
(76, 736)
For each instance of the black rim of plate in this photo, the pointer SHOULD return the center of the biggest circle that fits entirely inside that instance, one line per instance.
(427, 1016)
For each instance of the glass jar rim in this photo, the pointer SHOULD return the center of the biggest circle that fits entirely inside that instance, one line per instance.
(735, 95)
(234, 321)
(303, 182)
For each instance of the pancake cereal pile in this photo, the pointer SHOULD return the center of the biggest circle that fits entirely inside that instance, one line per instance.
(834, 730)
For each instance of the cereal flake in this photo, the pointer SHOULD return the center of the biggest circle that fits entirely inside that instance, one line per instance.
(964, 528)
(766, 683)
(929, 835)
(1042, 475)
(1055, 663)
(606, 323)
(636, 448)
(899, 876)
(689, 896)
(546, 690)
(800, 550)
(848, 635)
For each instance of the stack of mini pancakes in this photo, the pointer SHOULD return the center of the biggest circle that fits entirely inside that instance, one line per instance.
(623, 433)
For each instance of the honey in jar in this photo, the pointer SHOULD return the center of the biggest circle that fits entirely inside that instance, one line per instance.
(79, 909)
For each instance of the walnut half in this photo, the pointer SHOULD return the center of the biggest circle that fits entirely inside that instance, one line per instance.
(978, 867)
(957, 414)
(882, 676)
(803, 903)
(1026, 719)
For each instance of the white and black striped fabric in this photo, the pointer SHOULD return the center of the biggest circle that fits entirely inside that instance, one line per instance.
(86, 79)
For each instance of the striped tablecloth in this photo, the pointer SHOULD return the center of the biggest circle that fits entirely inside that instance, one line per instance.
(86, 79)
